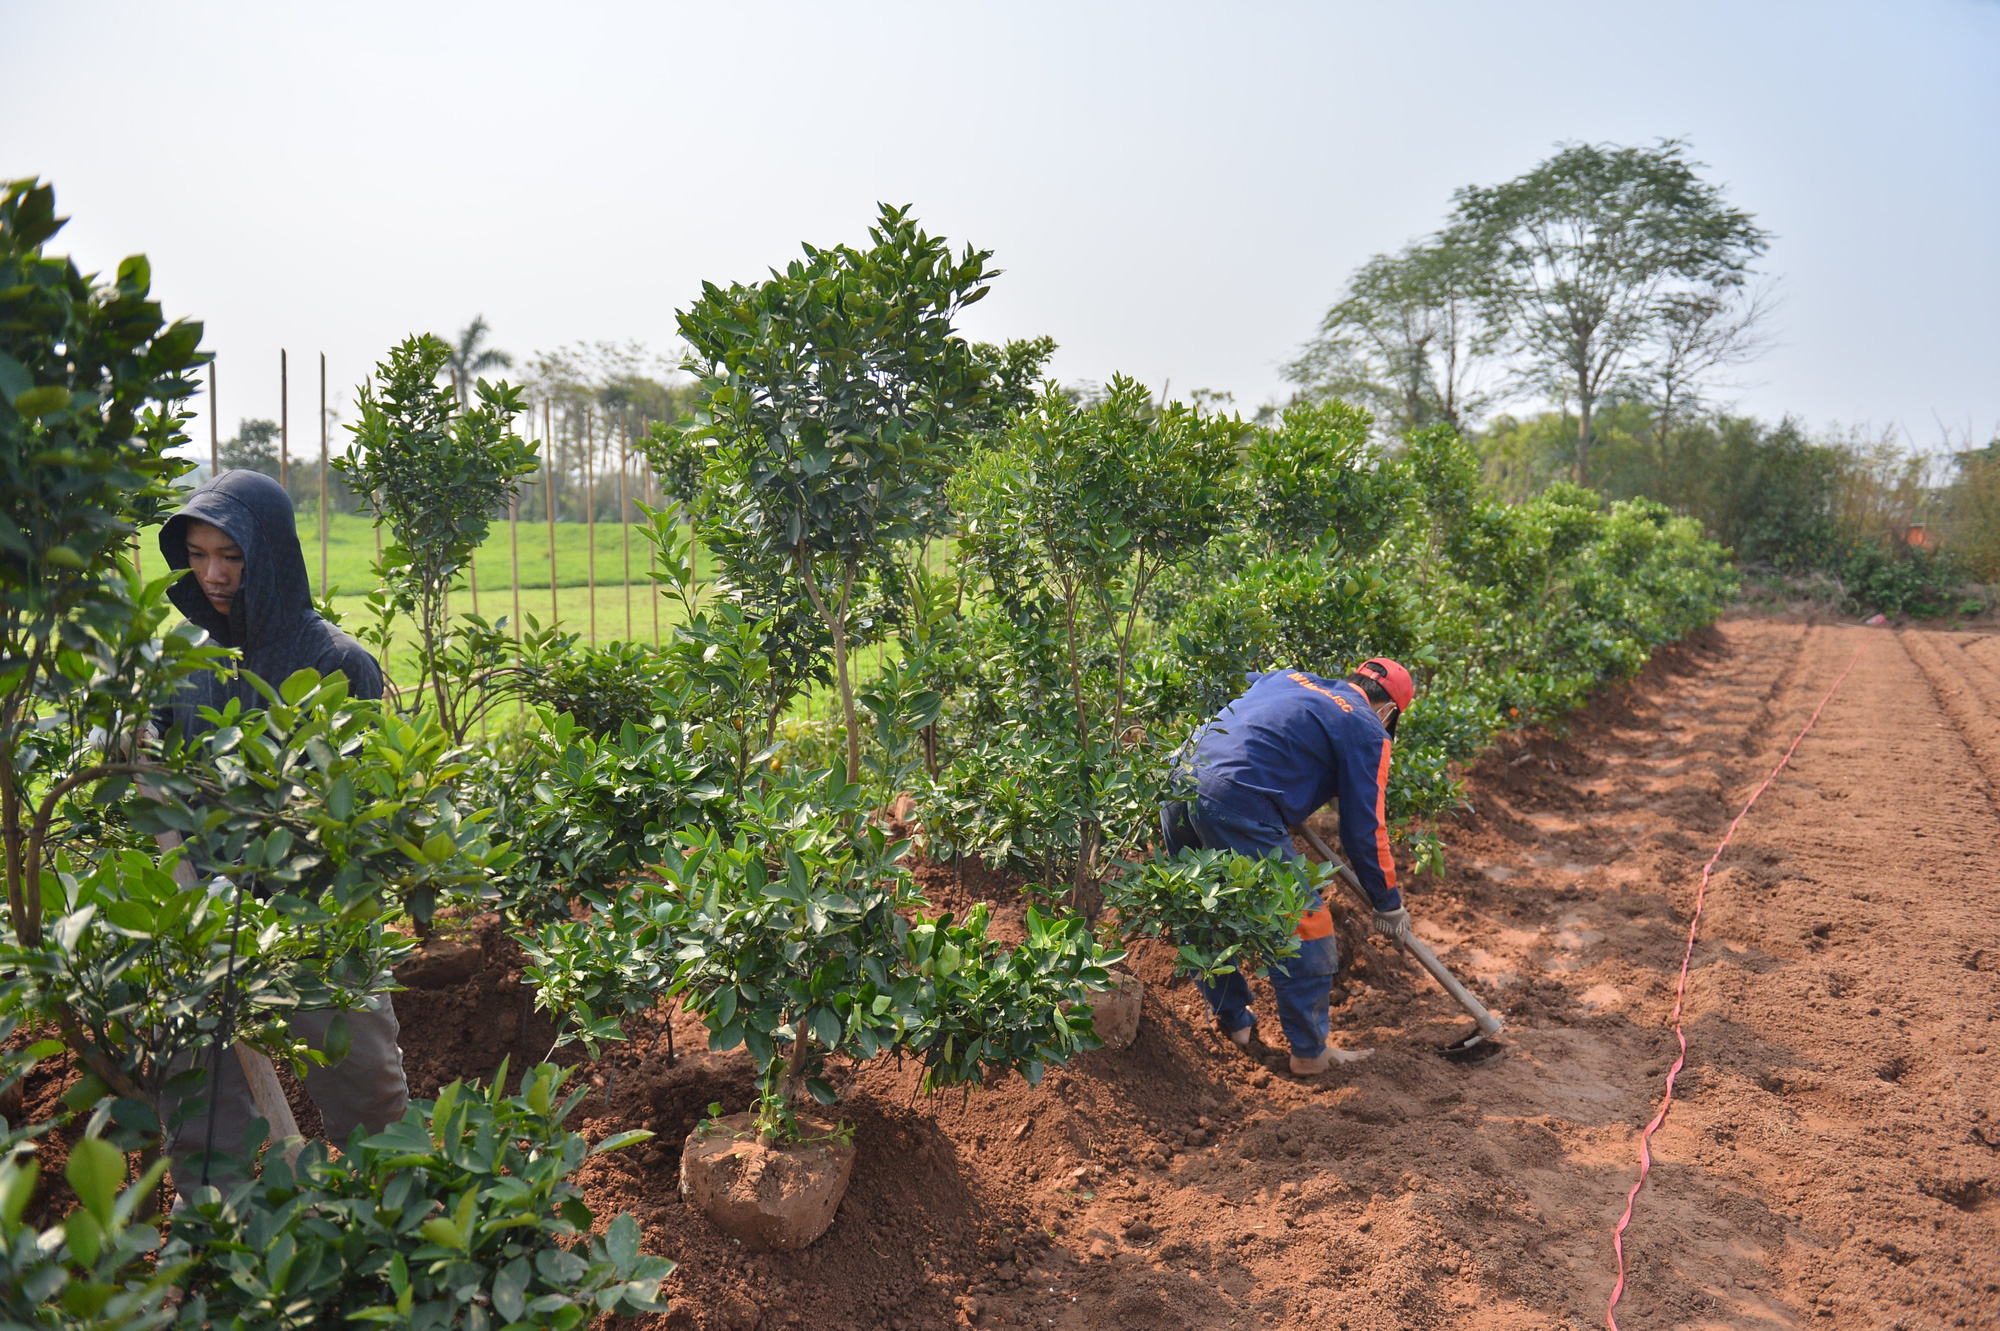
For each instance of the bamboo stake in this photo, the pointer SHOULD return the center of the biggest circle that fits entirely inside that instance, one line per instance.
(548, 458)
(652, 495)
(214, 426)
(624, 522)
(514, 547)
(589, 526)
(322, 474)
(284, 423)
(514, 553)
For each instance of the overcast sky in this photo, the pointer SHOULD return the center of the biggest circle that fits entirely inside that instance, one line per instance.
(1176, 192)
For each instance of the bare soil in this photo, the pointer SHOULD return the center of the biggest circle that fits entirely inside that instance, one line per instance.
(1833, 1156)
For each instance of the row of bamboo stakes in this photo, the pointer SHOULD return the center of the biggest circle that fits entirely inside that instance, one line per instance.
(546, 445)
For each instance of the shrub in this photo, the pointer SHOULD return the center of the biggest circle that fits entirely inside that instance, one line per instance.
(1902, 581)
(1318, 478)
(602, 689)
(590, 974)
(795, 942)
(463, 1213)
(332, 811)
(582, 812)
(98, 1270)
(435, 471)
(1223, 912)
(834, 398)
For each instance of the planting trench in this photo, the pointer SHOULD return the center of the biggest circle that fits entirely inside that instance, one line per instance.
(1833, 1155)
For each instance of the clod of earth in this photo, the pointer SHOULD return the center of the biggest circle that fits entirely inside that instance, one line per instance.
(1116, 1011)
(440, 965)
(770, 1198)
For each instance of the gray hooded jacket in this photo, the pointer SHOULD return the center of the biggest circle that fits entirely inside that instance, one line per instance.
(271, 621)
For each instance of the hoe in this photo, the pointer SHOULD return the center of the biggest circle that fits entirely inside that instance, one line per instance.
(1474, 1045)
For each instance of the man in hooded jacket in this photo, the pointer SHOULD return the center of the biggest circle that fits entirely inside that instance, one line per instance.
(246, 585)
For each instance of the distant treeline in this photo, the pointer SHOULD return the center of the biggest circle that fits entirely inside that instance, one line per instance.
(1900, 531)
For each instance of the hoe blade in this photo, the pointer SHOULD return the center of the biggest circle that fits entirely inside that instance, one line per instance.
(1472, 1047)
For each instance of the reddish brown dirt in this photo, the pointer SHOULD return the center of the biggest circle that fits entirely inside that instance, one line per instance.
(1833, 1158)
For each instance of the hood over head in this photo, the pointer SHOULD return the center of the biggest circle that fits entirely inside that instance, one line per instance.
(276, 596)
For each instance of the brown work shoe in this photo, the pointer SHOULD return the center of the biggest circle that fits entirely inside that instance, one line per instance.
(1239, 1038)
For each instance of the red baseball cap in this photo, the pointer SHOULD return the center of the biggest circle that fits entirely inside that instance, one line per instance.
(1395, 680)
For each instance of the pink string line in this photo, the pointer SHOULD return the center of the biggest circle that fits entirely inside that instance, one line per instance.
(1680, 994)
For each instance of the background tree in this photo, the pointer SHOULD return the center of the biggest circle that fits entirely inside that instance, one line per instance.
(255, 448)
(1410, 339)
(601, 392)
(830, 402)
(469, 358)
(1586, 248)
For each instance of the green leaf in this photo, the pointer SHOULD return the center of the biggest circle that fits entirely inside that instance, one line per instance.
(541, 1089)
(618, 1141)
(95, 1170)
(85, 1233)
(339, 1038)
(442, 1232)
(45, 400)
(621, 1241)
(510, 1284)
(17, 1186)
(14, 378)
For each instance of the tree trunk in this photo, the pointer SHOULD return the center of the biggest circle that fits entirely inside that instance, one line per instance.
(836, 623)
(847, 716)
(795, 1063)
(1583, 438)
(20, 893)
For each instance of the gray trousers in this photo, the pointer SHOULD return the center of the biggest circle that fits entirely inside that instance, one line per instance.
(365, 1088)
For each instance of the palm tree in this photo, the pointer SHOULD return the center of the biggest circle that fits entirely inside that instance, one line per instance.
(467, 360)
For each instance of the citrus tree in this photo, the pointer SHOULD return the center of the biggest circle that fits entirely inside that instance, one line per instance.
(797, 942)
(435, 470)
(830, 407)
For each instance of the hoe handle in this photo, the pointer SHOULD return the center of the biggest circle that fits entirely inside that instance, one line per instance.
(1489, 1025)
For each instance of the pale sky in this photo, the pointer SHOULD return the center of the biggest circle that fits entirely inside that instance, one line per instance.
(1175, 191)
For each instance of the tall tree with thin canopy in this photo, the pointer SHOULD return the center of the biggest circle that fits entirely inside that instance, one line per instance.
(1587, 247)
(1409, 339)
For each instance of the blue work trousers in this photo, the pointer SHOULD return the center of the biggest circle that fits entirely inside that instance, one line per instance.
(1303, 984)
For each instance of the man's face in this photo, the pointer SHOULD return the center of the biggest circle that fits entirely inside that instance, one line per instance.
(216, 562)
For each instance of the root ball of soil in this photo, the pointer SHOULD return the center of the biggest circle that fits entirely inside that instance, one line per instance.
(770, 1198)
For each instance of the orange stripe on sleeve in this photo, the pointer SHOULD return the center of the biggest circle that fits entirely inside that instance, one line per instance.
(1382, 819)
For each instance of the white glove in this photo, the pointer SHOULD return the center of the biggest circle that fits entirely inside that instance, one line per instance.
(1392, 923)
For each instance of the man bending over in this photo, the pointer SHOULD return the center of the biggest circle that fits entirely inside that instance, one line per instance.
(1293, 741)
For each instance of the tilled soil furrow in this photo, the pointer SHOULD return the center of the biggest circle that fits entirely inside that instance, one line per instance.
(1852, 1065)
(1968, 692)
